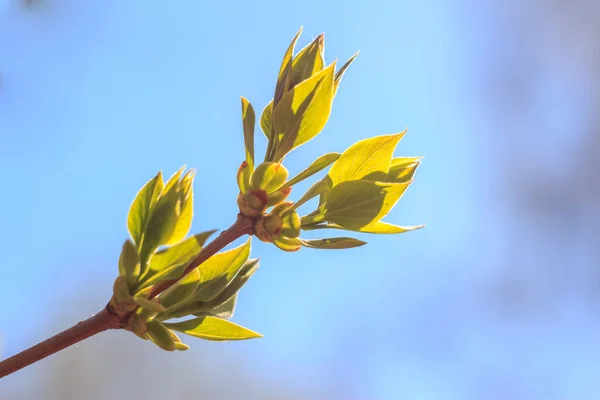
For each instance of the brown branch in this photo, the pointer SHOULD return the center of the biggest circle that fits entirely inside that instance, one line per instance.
(107, 319)
(83, 330)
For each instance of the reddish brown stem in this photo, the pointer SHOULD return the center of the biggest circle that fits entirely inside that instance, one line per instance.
(83, 330)
(107, 319)
(241, 227)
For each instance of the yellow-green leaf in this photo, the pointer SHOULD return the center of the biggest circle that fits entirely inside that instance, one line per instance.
(368, 158)
(219, 270)
(269, 176)
(140, 209)
(403, 169)
(129, 263)
(160, 335)
(213, 328)
(378, 227)
(308, 61)
(248, 122)
(184, 220)
(150, 305)
(303, 112)
(181, 290)
(316, 189)
(356, 204)
(340, 73)
(287, 244)
(172, 261)
(284, 77)
(236, 284)
(266, 119)
(223, 310)
(319, 164)
(332, 243)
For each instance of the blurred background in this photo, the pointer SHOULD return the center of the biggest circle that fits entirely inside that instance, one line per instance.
(497, 298)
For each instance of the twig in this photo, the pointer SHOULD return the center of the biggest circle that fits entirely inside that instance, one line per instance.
(106, 319)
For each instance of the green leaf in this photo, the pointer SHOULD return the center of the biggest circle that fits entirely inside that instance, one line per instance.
(269, 176)
(356, 204)
(379, 227)
(340, 73)
(141, 207)
(332, 243)
(308, 61)
(284, 77)
(184, 220)
(223, 310)
(236, 284)
(303, 112)
(150, 305)
(172, 261)
(368, 158)
(403, 169)
(213, 328)
(181, 290)
(319, 164)
(248, 122)
(219, 270)
(160, 335)
(316, 189)
(266, 120)
(129, 263)
(287, 244)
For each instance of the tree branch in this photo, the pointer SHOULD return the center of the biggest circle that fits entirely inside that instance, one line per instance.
(107, 319)
(83, 330)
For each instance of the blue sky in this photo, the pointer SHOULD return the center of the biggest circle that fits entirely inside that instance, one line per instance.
(96, 98)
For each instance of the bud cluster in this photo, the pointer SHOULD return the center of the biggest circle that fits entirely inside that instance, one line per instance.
(261, 188)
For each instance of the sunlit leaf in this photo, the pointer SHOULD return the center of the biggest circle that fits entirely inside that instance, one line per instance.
(182, 289)
(303, 112)
(129, 264)
(316, 189)
(341, 71)
(184, 220)
(368, 158)
(160, 335)
(236, 284)
(266, 119)
(319, 164)
(403, 169)
(248, 122)
(379, 227)
(355, 204)
(213, 328)
(287, 244)
(308, 61)
(332, 243)
(172, 261)
(219, 270)
(140, 209)
(284, 77)
(223, 310)
(151, 305)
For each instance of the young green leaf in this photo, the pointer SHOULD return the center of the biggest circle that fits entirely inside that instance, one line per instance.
(184, 220)
(368, 158)
(308, 61)
(129, 264)
(266, 120)
(141, 208)
(181, 290)
(160, 335)
(287, 244)
(150, 305)
(170, 262)
(236, 284)
(316, 189)
(403, 169)
(332, 243)
(319, 164)
(356, 204)
(284, 77)
(378, 227)
(219, 270)
(248, 122)
(213, 328)
(223, 310)
(340, 73)
(269, 176)
(303, 112)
